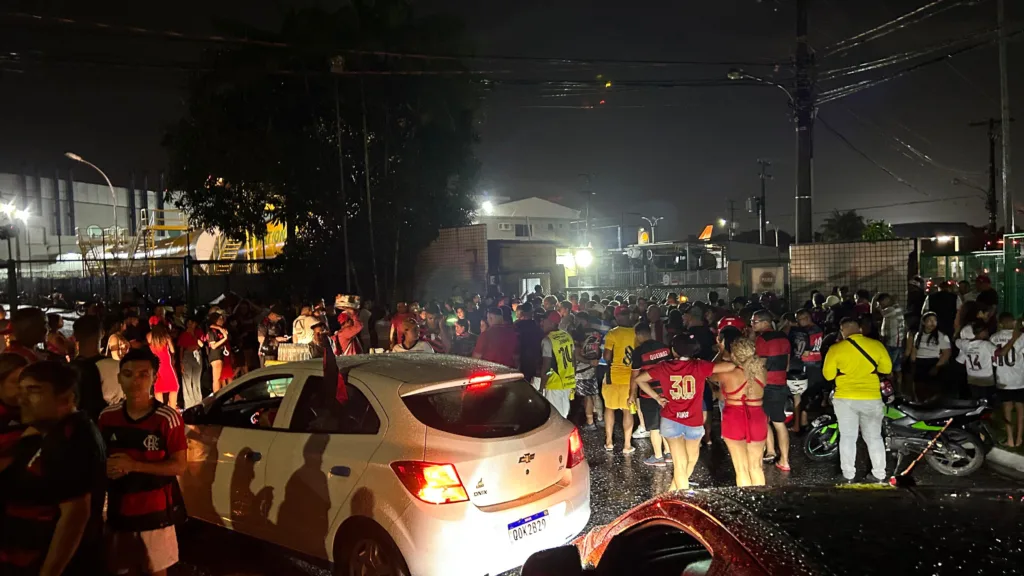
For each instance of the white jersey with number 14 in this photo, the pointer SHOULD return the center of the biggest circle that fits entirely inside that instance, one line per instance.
(1009, 368)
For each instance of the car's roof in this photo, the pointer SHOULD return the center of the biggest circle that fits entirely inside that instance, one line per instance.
(412, 368)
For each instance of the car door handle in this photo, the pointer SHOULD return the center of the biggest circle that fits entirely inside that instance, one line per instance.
(254, 456)
(341, 471)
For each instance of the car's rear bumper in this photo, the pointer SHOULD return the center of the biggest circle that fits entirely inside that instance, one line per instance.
(463, 539)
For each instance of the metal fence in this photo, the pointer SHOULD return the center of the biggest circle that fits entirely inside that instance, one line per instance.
(196, 281)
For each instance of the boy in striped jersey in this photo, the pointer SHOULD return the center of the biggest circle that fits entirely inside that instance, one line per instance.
(147, 449)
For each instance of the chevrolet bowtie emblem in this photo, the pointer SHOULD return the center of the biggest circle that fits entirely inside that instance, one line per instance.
(527, 458)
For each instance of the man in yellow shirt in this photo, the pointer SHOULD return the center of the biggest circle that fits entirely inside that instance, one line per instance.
(855, 363)
(618, 353)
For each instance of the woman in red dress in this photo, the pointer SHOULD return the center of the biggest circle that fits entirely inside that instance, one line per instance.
(162, 345)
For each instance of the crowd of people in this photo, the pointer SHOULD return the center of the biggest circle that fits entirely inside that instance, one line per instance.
(96, 416)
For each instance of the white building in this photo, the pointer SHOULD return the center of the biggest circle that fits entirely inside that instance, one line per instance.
(530, 219)
(58, 205)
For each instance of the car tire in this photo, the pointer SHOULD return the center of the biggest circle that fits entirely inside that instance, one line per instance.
(365, 549)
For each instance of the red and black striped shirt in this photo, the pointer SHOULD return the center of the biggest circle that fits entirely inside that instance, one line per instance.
(65, 464)
(774, 347)
(139, 502)
(648, 354)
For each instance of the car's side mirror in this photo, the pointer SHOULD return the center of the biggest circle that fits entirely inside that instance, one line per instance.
(561, 561)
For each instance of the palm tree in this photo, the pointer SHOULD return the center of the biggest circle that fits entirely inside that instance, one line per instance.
(845, 226)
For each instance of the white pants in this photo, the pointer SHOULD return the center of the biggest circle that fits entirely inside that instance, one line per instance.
(863, 417)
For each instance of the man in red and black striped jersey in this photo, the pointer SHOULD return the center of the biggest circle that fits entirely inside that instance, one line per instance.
(648, 352)
(28, 330)
(146, 442)
(52, 490)
(774, 347)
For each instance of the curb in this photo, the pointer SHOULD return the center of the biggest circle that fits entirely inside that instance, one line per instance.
(1006, 463)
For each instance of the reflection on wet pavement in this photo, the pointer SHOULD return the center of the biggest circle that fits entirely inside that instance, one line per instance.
(618, 482)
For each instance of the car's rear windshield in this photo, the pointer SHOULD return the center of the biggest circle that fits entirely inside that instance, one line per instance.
(503, 409)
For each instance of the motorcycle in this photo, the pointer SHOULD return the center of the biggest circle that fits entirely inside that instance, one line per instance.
(908, 427)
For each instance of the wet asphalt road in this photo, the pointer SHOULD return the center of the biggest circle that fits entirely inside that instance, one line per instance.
(618, 482)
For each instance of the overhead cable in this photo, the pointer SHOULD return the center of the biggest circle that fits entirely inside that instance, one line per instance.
(910, 18)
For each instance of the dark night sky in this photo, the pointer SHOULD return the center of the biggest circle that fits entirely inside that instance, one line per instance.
(679, 152)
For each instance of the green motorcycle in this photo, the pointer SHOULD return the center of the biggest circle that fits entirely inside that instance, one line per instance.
(908, 428)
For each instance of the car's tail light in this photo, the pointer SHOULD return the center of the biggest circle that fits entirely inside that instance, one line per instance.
(480, 381)
(575, 448)
(431, 483)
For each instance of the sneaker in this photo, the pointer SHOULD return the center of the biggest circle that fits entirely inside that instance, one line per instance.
(589, 427)
(641, 433)
(652, 461)
(667, 458)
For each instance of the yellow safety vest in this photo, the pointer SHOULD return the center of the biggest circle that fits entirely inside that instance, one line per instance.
(562, 375)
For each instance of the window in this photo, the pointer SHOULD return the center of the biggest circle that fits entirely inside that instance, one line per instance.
(317, 411)
(252, 404)
(258, 390)
(501, 410)
(505, 227)
(551, 226)
(524, 230)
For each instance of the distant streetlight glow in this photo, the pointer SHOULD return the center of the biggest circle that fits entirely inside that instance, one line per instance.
(943, 239)
(8, 209)
(722, 222)
(584, 258)
(487, 206)
(22, 215)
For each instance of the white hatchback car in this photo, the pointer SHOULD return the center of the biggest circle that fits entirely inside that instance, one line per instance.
(434, 465)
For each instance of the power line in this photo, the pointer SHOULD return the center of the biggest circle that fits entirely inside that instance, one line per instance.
(903, 56)
(908, 19)
(843, 91)
(864, 155)
(892, 205)
(192, 37)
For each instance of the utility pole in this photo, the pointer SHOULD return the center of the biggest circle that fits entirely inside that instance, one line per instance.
(991, 204)
(1004, 96)
(588, 193)
(341, 181)
(805, 112)
(762, 217)
(731, 224)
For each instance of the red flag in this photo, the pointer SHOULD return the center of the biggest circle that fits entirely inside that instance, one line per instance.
(331, 372)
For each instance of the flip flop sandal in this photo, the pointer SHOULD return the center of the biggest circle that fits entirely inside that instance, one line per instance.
(783, 468)
(769, 458)
(609, 448)
(630, 451)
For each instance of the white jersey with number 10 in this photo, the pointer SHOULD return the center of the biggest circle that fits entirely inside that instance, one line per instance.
(1009, 368)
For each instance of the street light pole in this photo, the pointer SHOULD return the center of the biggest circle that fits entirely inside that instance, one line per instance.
(653, 221)
(113, 194)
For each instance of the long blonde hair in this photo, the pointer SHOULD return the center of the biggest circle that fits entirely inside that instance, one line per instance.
(745, 356)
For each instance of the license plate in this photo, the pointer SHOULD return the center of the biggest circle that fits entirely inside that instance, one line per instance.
(819, 421)
(527, 527)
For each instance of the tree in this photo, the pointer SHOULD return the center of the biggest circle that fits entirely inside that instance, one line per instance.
(876, 230)
(260, 141)
(845, 226)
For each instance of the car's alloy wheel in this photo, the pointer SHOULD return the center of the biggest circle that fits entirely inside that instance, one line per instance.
(370, 558)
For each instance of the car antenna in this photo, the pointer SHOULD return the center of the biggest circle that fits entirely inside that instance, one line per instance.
(904, 479)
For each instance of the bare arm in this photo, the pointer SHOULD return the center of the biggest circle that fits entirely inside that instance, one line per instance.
(643, 382)
(173, 466)
(74, 516)
(545, 366)
(944, 357)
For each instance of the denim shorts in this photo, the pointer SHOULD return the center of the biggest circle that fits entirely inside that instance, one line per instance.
(673, 429)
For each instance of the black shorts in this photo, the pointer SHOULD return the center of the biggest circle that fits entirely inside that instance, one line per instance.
(1004, 395)
(651, 410)
(775, 402)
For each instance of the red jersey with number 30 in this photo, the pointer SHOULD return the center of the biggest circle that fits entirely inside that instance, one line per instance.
(682, 384)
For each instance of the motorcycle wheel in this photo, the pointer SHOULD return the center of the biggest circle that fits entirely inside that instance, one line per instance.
(959, 467)
(822, 442)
